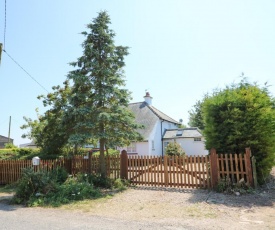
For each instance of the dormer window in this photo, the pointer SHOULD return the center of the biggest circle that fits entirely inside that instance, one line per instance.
(179, 133)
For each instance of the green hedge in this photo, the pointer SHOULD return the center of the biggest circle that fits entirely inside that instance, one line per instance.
(18, 153)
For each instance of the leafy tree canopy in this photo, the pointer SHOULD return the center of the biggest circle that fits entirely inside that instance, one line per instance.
(50, 131)
(195, 116)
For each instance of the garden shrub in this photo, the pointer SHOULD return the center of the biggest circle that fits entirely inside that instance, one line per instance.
(72, 190)
(174, 149)
(121, 184)
(59, 175)
(32, 184)
(55, 187)
(96, 180)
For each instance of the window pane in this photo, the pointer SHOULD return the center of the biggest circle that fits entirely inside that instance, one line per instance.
(131, 148)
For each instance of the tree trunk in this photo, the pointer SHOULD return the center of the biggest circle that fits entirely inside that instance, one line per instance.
(102, 159)
(75, 149)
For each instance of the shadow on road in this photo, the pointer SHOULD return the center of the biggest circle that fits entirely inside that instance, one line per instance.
(6, 206)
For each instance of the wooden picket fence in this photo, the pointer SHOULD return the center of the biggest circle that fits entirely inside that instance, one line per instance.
(11, 170)
(90, 164)
(187, 172)
(233, 168)
(179, 172)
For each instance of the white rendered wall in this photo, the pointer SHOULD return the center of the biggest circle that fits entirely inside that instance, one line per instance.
(190, 146)
(142, 148)
(146, 148)
(156, 136)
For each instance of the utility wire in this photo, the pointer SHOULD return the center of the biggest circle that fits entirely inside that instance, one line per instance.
(26, 72)
(5, 25)
(4, 49)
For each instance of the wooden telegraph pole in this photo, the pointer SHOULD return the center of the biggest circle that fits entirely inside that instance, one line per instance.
(9, 130)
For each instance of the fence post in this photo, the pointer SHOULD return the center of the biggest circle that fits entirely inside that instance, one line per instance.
(254, 172)
(68, 165)
(248, 164)
(90, 162)
(166, 178)
(124, 165)
(213, 168)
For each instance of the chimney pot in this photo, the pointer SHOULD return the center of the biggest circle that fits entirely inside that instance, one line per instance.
(148, 98)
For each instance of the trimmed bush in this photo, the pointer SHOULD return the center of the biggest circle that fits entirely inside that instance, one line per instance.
(174, 149)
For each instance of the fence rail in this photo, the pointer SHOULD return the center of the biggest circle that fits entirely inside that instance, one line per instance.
(11, 170)
(180, 172)
(187, 172)
(81, 164)
(231, 167)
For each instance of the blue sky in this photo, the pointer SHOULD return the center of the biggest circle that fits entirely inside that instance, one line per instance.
(179, 50)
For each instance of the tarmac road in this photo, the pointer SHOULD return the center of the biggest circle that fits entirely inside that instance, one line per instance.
(13, 217)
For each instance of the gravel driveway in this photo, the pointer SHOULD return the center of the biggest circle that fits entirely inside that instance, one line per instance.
(148, 208)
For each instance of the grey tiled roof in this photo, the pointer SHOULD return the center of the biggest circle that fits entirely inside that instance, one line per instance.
(162, 115)
(4, 138)
(186, 132)
(30, 144)
(148, 116)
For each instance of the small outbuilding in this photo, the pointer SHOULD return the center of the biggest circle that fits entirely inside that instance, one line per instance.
(4, 140)
(190, 139)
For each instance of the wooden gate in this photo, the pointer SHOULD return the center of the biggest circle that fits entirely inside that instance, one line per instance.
(181, 172)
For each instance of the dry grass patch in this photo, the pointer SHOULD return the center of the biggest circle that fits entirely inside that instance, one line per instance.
(141, 204)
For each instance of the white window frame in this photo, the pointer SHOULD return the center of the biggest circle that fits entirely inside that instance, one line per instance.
(132, 148)
(196, 139)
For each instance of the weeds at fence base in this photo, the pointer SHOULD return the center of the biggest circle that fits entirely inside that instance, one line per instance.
(226, 185)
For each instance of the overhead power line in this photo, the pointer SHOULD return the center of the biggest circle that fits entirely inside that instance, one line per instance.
(26, 71)
(3, 48)
(5, 25)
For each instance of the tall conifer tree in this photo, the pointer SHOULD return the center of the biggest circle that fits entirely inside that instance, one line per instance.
(98, 101)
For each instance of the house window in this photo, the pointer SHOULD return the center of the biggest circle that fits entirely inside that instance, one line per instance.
(153, 145)
(132, 148)
(197, 139)
(179, 133)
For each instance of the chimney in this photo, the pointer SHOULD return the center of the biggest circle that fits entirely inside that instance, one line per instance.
(148, 98)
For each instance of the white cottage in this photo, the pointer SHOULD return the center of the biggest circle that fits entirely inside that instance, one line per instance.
(155, 123)
(190, 139)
